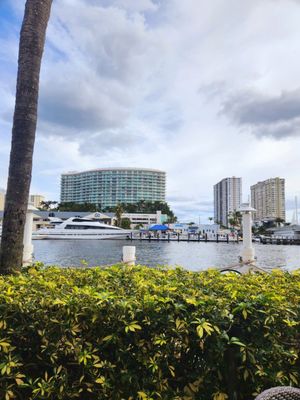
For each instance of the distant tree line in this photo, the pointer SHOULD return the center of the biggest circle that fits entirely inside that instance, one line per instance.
(69, 206)
(145, 207)
(142, 206)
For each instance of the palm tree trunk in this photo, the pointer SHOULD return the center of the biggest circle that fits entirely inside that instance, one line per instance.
(32, 40)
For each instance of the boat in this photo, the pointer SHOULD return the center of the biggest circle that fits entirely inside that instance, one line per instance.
(81, 228)
(256, 239)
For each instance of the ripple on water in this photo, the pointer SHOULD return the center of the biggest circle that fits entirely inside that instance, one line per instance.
(192, 256)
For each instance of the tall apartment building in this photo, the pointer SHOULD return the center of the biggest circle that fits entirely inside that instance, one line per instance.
(106, 187)
(227, 198)
(268, 198)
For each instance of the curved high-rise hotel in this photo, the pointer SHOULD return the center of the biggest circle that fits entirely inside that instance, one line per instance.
(106, 187)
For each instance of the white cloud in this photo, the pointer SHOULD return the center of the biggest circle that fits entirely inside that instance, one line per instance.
(143, 83)
(136, 6)
(278, 117)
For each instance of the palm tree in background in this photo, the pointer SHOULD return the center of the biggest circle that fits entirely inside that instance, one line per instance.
(47, 205)
(235, 219)
(142, 205)
(172, 219)
(279, 221)
(32, 40)
(119, 210)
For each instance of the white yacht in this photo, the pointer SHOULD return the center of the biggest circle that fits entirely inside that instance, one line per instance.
(81, 228)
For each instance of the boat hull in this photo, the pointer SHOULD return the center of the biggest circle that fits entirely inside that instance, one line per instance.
(74, 236)
(81, 229)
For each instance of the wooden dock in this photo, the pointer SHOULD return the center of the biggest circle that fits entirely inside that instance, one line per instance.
(183, 238)
(280, 241)
(205, 239)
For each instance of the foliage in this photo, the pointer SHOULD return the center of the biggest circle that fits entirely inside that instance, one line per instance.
(259, 230)
(146, 207)
(235, 219)
(47, 205)
(172, 219)
(71, 206)
(140, 333)
(279, 221)
(125, 223)
(119, 210)
(139, 226)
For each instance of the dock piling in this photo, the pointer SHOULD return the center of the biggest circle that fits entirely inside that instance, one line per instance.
(128, 256)
(248, 253)
(27, 241)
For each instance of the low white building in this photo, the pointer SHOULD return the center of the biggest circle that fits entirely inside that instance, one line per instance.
(179, 227)
(286, 232)
(209, 229)
(204, 229)
(143, 220)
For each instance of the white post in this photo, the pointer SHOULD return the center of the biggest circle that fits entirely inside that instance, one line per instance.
(27, 241)
(158, 217)
(128, 255)
(248, 253)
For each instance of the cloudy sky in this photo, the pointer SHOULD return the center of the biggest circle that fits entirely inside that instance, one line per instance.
(201, 89)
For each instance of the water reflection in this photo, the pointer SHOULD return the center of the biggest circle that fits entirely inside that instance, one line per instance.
(193, 256)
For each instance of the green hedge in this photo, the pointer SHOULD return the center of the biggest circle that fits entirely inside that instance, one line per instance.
(141, 333)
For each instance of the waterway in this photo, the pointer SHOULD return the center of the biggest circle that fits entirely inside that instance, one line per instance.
(193, 256)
